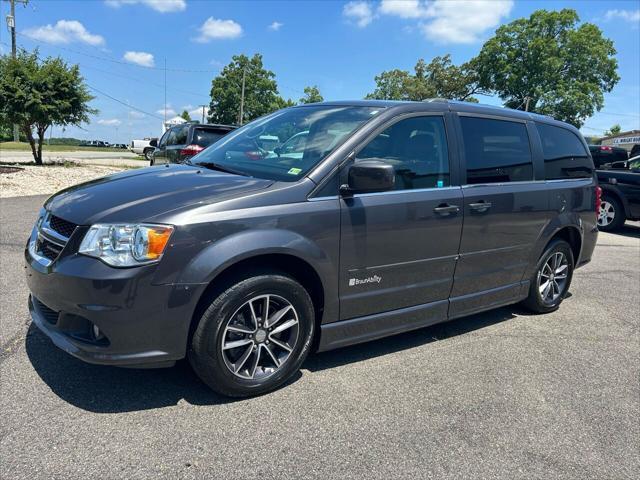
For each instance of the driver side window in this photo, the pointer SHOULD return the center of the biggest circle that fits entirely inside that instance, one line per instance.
(163, 139)
(417, 149)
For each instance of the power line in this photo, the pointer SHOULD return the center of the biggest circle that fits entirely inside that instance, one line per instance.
(123, 103)
(113, 60)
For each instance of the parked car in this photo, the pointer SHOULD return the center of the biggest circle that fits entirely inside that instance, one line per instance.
(119, 145)
(144, 147)
(620, 195)
(423, 212)
(603, 154)
(183, 141)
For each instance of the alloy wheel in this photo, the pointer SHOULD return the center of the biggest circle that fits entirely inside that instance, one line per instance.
(259, 337)
(552, 278)
(606, 213)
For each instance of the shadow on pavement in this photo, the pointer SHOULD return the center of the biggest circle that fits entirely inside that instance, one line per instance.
(104, 389)
(631, 231)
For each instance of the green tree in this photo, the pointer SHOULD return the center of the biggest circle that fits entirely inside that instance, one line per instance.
(551, 63)
(614, 130)
(185, 115)
(312, 95)
(440, 78)
(36, 94)
(260, 91)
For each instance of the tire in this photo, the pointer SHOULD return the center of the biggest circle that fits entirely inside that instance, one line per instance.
(611, 214)
(543, 300)
(148, 154)
(228, 320)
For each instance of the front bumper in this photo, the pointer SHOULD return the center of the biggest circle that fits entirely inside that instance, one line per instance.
(140, 323)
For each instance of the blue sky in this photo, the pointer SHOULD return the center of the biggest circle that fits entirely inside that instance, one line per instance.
(121, 46)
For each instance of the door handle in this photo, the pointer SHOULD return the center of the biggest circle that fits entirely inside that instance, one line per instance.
(480, 206)
(446, 209)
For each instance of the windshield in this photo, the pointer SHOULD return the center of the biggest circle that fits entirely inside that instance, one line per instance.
(262, 148)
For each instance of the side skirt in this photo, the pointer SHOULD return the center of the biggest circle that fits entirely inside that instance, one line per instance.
(372, 327)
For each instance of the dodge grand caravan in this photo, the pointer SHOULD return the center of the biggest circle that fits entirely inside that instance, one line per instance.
(390, 217)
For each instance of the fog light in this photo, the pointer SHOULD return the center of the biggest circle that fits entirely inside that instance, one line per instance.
(97, 334)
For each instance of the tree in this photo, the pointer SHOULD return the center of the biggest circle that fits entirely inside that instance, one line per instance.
(36, 94)
(185, 115)
(438, 79)
(551, 64)
(614, 130)
(260, 91)
(312, 95)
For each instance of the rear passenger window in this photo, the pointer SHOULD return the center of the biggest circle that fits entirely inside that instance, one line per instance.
(417, 150)
(496, 151)
(181, 136)
(564, 154)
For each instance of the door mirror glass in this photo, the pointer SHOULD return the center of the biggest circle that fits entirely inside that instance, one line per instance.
(153, 142)
(370, 176)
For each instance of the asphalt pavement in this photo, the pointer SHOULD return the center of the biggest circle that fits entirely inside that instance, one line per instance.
(503, 394)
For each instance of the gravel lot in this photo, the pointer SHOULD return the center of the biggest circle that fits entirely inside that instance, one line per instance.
(498, 395)
(34, 180)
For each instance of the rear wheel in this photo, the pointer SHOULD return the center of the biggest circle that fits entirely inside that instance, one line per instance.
(611, 214)
(551, 281)
(254, 336)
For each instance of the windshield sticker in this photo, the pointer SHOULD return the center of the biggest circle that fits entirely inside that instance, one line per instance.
(440, 184)
(294, 171)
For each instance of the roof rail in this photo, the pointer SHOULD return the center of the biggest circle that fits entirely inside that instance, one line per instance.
(436, 99)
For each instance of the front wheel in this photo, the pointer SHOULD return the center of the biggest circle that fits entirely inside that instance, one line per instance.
(148, 154)
(552, 278)
(254, 336)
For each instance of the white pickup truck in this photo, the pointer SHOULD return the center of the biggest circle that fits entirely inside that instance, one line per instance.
(143, 147)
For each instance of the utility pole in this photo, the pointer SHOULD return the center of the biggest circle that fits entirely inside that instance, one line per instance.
(164, 125)
(203, 106)
(11, 24)
(244, 73)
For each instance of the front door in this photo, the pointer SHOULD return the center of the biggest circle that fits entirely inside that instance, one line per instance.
(504, 212)
(399, 248)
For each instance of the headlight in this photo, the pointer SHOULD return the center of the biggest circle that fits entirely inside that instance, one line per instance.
(126, 245)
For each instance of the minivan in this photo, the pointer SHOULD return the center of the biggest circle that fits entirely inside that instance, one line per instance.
(393, 216)
(181, 142)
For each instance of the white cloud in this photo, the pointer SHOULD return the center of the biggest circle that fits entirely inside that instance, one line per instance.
(64, 31)
(162, 6)
(111, 122)
(358, 12)
(403, 8)
(450, 21)
(143, 59)
(170, 111)
(136, 114)
(215, 29)
(628, 15)
(275, 26)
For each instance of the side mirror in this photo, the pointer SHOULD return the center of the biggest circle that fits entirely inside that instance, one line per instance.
(153, 142)
(277, 150)
(369, 176)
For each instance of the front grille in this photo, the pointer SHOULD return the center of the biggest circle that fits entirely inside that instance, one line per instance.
(61, 226)
(48, 314)
(48, 249)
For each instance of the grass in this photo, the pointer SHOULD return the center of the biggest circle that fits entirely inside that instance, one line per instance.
(25, 147)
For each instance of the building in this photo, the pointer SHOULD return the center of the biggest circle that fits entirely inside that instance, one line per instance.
(625, 140)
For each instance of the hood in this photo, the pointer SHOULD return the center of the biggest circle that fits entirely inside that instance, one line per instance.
(138, 195)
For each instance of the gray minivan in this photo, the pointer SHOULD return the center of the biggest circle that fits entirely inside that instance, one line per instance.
(392, 216)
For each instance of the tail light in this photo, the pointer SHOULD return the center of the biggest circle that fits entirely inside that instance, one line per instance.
(191, 150)
(606, 149)
(598, 200)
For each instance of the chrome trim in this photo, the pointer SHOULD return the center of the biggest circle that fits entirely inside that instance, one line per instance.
(44, 261)
(406, 190)
(43, 231)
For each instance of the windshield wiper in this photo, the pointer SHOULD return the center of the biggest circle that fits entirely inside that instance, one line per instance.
(218, 167)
